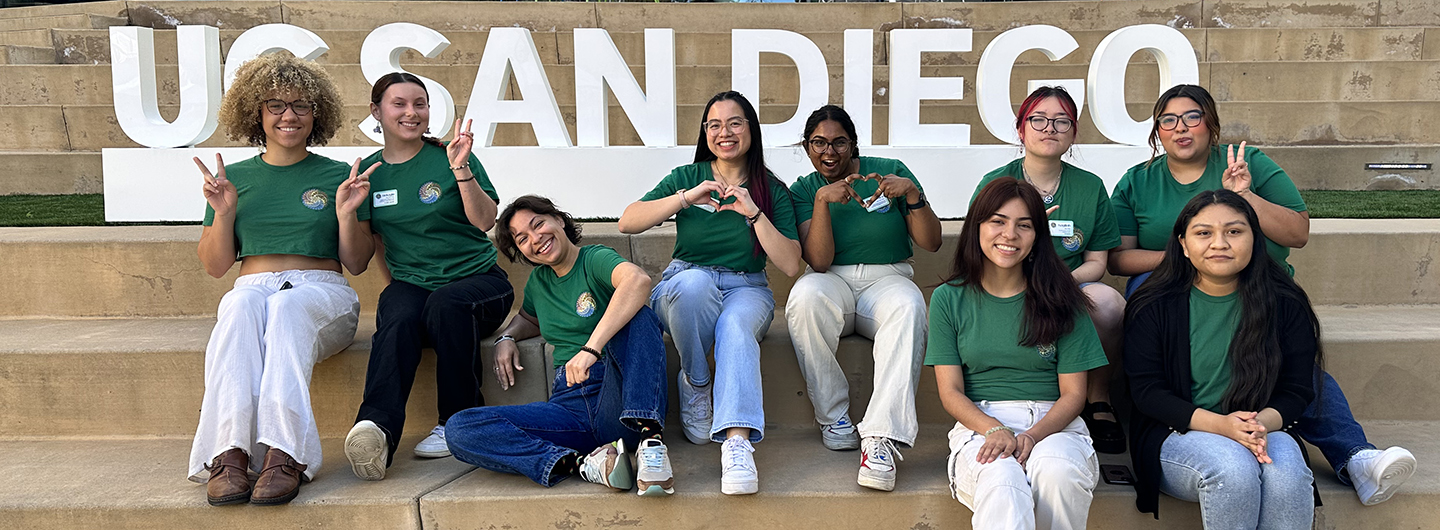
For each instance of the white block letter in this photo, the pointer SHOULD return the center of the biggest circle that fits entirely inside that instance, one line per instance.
(992, 78)
(511, 51)
(1106, 83)
(380, 55)
(270, 38)
(132, 70)
(745, 48)
(907, 88)
(860, 81)
(598, 64)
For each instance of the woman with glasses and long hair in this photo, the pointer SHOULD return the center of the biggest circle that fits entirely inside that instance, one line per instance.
(858, 216)
(1149, 198)
(1220, 349)
(291, 218)
(730, 214)
(1011, 342)
(431, 207)
(1077, 201)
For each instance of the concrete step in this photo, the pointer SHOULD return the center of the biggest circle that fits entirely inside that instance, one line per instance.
(1262, 123)
(21, 54)
(77, 20)
(72, 484)
(150, 371)
(30, 37)
(111, 8)
(50, 172)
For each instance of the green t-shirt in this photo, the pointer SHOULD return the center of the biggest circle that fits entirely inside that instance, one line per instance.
(1213, 321)
(1148, 200)
(861, 236)
(721, 238)
(981, 333)
(570, 306)
(287, 209)
(416, 208)
(1083, 201)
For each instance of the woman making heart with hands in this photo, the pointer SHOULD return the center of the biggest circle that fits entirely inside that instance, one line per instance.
(730, 214)
(857, 218)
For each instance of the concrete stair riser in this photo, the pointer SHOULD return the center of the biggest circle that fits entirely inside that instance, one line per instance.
(50, 173)
(110, 8)
(30, 37)
(19, 54)
(80, 20)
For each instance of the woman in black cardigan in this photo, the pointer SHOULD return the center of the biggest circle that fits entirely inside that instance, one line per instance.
(1220, 349)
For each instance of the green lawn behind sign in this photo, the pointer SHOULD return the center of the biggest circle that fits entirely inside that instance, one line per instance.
(89, 210)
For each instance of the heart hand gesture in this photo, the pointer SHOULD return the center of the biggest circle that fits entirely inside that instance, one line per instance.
(838, 192)
(892, 186)
(459, 148)
(1237, 173)
(353, 192)
(219, 192)
(700, 195)
(743, 204)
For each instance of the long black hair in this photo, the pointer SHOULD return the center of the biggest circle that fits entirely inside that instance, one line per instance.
(836, 114)
(1255, 350)
(377, 93)
(1052, 298)
(759, 176)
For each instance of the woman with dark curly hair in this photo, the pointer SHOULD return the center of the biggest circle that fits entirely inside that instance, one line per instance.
(291, 218)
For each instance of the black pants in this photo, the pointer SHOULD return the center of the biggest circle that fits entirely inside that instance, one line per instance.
(452, 319)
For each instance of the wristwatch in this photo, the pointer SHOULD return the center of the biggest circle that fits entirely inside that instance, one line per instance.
(916, 206)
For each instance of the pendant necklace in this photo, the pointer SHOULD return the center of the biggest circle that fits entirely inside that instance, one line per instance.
(1047, 196)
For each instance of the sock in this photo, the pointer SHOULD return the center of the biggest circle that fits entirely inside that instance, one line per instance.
(566, 466)
(649, 429)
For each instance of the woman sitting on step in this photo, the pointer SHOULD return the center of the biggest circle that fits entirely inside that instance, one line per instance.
(431, 207)
(1011, 342)
(1221, 348)
(1076, 199)
(1150, 196)
(858, 216)
(291, 218)
(609, 391)
(730, 214)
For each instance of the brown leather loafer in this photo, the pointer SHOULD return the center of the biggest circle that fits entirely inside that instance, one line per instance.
(279, 481)
(229, 483)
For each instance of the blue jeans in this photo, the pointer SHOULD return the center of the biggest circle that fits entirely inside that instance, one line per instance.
(1134, 283)
(705, 307)
(1234, 490)
(628, 383)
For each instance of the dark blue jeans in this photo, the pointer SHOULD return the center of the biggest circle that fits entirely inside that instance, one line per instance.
(627, 384)
(1326, 424)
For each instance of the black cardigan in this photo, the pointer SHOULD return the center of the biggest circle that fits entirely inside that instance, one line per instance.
(1157, 362)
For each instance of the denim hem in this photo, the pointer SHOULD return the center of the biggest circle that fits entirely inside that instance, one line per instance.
(718, 433)
(1343, 474)
(641, 415)
(555, 455)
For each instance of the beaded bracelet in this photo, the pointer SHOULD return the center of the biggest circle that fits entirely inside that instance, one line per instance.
(996, 428)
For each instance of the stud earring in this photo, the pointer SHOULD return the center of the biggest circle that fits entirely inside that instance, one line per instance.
(377, 127)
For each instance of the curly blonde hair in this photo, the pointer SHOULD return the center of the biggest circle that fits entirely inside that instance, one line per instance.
(260, 77)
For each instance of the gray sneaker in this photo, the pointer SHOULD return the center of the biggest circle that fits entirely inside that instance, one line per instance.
(696, 414)
(840, 436)
(367, 450)
(877, 464)
(654, 477)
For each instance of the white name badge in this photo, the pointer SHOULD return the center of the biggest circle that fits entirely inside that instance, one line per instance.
(385, 198)
(1062, 228)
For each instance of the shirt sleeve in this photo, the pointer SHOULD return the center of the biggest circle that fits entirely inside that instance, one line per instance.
(1146, 369)
(667, 186)
(528, 306)
(1271, 182)
(1120, 204)
(804, 201)
(483, 178)
(1107, 231)
(942, 348)
(995, 174)
(783, 208)
(600, 265)
(1080, 349)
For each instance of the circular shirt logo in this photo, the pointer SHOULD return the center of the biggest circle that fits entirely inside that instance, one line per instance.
(429, 192)
(314, 199)
(1047, 351)
(585, 306)
(1073, 243)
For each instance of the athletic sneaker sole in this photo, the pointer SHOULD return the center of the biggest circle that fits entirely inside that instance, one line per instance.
(1397, 470)
(432, 454)
(622, 476)
(654, 490)
(835, 442)
(739, 488)
(876, 483)
(365, 447)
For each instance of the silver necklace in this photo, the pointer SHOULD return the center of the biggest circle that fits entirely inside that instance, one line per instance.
(1047, 196)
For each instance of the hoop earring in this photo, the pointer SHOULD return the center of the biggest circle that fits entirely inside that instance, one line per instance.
(377, 127)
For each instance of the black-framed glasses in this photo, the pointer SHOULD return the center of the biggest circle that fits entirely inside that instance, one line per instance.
(277, 107)
(734, 124)
(1168, 122)
(840, 145)
(1040, 123)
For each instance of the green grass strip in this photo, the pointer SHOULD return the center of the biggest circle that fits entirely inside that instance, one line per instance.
(89, 210)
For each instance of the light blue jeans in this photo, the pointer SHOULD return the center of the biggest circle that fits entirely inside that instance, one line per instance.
(704, 307)
(1234, 490)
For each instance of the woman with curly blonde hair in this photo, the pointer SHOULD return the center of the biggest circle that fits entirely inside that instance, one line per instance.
(291, 218)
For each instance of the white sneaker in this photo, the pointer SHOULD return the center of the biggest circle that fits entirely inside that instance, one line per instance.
(877, 463)
(738, 475)
(840, 436)
(696, 414)
(433, 446)
(608, 465)
(1377, 474)
(367, 450)
(655, 476)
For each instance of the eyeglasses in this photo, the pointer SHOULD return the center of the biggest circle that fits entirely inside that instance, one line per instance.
(1168, 122)
(277, 107)
(839, 145)
(1040, 123)
(734, 124)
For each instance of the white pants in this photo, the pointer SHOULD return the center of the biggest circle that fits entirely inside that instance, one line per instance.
(1052, 491)
(266, 341)
(880, 302)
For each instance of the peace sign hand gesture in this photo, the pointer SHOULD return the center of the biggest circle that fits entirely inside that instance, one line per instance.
(354, 190)
(1237, 173)
(219, 192)
(459, 148)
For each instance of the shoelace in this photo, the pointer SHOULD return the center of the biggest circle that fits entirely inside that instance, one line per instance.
(699, 403)
(439, 430)
(735, 453)
(652, 457)
(590, 469)
(882, 450)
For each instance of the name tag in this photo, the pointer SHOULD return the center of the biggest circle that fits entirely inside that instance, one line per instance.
(1062, 228)
(384, 198)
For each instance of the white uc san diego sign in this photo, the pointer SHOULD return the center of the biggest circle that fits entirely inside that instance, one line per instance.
(594, 179)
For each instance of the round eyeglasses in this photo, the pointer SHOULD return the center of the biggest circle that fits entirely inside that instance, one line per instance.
(1040, 123)
(1168, 122)
(839, 145)
(277, 107)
